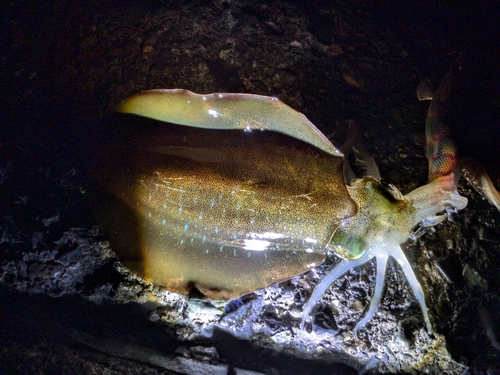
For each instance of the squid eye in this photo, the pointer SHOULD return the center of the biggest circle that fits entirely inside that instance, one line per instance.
(347, 245)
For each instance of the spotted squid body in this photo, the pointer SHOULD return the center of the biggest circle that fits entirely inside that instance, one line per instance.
(240, 191)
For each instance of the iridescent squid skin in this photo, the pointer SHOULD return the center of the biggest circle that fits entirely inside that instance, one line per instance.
(244, 192)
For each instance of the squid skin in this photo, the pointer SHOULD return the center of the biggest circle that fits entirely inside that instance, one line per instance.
(226, 111)
(221, 213)
(244, 192)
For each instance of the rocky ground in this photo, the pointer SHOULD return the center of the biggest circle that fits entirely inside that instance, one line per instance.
(69, 306)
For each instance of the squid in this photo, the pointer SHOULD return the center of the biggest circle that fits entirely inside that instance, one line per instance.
(230, 193)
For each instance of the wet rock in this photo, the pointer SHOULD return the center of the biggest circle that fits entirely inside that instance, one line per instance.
(183, 351)
(204, 354)
(36, 239)
(72, 256)
(239, 371)
(473, 278)
(487, 234)
(22, 269)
